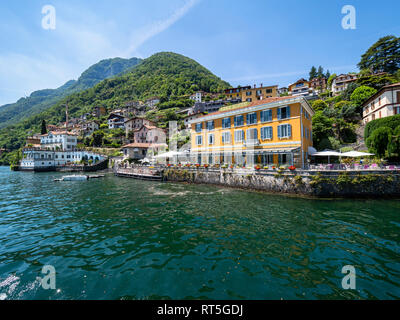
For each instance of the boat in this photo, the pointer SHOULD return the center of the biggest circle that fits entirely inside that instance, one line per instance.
(80, 177)
(73, 178)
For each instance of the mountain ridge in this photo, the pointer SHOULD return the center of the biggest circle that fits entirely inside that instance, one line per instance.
(40, 100)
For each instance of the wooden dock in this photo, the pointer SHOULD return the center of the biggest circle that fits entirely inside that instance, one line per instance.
(140, 173)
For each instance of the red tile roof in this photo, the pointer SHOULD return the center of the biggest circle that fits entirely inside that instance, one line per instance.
(253, 104)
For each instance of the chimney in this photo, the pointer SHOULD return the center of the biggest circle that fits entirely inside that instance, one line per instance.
(261, 85)
(255, 86)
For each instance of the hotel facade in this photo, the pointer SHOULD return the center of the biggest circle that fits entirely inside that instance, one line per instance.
(273, 131)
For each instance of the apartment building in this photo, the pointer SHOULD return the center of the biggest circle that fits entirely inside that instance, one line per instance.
(251, 94)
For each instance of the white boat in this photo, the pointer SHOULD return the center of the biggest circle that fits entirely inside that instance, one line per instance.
(74, 178)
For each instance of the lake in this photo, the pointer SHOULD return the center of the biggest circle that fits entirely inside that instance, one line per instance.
(116, 238)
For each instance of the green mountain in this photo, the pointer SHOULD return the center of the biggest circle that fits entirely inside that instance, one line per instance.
(168, 75)
(42, 100)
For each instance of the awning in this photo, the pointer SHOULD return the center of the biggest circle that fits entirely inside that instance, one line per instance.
(356, 154)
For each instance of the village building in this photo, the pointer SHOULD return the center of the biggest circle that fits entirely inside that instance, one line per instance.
(301, 87)
(318, 84)
(385, 103)
(187, 120)
(99, 111)
(250, 94)
(116, 121)
(274, 131)
(282, 91)
(55, 149)
(198, 96)
(89, 127)
(138, 151)
(151, 102)
(136, 123)
(342, 81)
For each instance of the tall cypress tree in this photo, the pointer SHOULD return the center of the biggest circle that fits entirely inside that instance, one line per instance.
(313, 73)
(44, 127)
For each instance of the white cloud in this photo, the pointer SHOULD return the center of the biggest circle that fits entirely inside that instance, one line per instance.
(148, 32)
(29, 74)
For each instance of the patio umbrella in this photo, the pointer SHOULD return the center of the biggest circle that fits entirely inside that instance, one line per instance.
(356, 154)
(328, 153)
(169, 154)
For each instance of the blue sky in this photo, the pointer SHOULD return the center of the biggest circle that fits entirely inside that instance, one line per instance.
(243, 42)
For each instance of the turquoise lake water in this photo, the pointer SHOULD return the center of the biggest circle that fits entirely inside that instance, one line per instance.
(117, 238)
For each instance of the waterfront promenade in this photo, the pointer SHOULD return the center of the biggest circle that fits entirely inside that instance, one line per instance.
(372, 182)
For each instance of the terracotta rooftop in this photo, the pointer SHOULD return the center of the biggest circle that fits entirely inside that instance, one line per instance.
(253, 104)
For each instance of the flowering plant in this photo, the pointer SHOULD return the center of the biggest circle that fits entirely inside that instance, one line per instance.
(197, 165)
(292, 168)
(257, 167)
(206, 166)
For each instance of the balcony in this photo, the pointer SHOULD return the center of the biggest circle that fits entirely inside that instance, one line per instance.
(252, 142)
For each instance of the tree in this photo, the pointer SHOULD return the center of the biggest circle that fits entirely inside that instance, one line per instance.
(97, 138)
(44, 127)
(384, 55)
(330, 80)
(320, 73)
(328, 74)
(319, 105)
(322, 127)
(361, 94)
(379, 140)
(313, 73)
(394, 144)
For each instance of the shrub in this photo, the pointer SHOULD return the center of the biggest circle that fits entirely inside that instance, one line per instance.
(379, 140)
(391, 122)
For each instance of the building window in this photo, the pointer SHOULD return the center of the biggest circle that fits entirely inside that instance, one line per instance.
(239, 136)
(284, 131)
(226, 123)
(210, 125)
(268, 91)
(199, 140)
(226, 137)
(248, 93)
(284, 113)
(251, 118)
(266, 133)
(199, 127)
(249, 100)
(266, 115)
(239, 121)
(252, 135)
(210, 139)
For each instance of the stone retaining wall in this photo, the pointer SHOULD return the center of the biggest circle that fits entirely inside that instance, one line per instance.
(311, 183)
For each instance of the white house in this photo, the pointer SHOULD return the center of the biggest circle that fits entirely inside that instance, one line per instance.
(59, 140)
(384, 103)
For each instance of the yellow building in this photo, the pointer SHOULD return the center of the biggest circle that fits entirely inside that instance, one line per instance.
(272, 131)
(250, 94)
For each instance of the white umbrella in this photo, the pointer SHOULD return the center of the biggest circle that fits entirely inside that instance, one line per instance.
(356, 154)
(169, 154)
(145, 160)
(328, 153)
